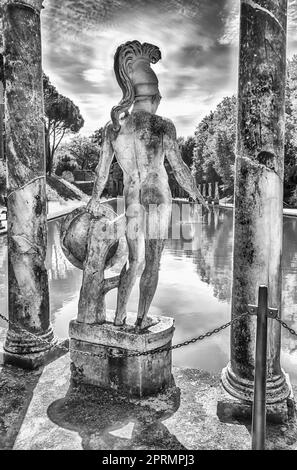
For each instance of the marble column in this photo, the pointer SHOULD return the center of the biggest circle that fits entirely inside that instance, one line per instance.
(258, 229)
(1, 118)
(204, 191)
(1, 92)
(27, 222)
(217, 191)
(210, 190)
(216, 194)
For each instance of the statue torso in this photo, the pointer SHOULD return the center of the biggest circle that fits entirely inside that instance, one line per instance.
(139, 146)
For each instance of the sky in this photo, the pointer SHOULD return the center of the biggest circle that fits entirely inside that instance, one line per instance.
(198, 41)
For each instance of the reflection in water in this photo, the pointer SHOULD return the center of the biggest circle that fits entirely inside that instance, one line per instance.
(64, 280)
(214, 258)
(194, 286)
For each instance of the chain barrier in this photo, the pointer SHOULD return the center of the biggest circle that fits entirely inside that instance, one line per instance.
(285, 326)
(146, 353)
(35, 337)
(140, 354)
(191, 341)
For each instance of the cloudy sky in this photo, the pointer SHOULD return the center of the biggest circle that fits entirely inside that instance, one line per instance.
(198, 40)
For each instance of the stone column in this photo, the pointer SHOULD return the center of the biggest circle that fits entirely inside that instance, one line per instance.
(258, 227)
(27, 222)
(216, 194)
(1, 119)
(204, 191)
(1, 92)
(210, 190)
(217, 191)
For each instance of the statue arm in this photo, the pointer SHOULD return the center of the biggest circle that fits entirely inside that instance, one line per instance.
(181, 171)
(102, 172)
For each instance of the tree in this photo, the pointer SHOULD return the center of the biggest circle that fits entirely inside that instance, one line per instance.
(84, 151)
(290, 176)
(97, 137)
(62, 117)
(65, 162)
(187, 149)
(201, 136)
(213, 152)
(80, 152)
(215, 140)
(225, 141)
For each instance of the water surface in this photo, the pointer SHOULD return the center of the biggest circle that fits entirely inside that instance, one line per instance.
(194, 286)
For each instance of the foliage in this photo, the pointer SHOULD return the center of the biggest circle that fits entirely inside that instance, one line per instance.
(80, 152)
(187, 149)
(215, 139)
(62, 117)
(214, 151)
(97, 137)
(290, 176)
(65, 163)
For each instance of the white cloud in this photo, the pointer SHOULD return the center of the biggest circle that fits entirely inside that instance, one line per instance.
(199, 44)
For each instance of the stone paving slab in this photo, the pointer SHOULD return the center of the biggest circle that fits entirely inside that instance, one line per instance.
(41, 411)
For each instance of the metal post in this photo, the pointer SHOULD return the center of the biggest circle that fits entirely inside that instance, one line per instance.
(259, 408)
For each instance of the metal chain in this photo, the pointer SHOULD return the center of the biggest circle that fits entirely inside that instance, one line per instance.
(286, 326)
(146, 353)
(191, 341)
(32, 335)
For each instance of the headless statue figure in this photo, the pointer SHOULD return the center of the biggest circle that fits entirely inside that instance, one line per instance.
(141, 141)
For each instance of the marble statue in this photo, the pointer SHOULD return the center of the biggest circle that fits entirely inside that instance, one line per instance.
(139, 140)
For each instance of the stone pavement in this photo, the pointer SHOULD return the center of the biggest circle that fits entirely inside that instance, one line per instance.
(40, 410)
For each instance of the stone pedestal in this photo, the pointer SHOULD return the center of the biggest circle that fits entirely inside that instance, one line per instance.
(135, 376)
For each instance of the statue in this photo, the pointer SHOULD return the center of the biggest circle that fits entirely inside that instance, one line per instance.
(140, 140)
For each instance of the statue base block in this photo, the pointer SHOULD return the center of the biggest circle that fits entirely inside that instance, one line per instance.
(230, 409)
(135, 376)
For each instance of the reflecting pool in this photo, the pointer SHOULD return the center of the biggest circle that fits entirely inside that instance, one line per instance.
(194, 286)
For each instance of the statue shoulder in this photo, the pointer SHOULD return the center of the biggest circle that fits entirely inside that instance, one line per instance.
(169, 128)
(109, 132)
(158, 125)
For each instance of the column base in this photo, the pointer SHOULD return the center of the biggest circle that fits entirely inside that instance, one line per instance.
(24, 343)
(33, 361)
(235, 401)
(278, 388)
(134, 376)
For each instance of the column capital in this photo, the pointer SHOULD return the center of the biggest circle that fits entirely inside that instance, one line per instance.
(35, 5)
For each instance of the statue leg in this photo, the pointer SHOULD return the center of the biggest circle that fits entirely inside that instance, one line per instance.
(156, 198)
(135, 241)
(149, 280)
